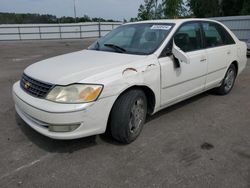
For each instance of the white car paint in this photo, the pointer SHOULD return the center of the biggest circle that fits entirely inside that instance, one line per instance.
(171, 89)
(118, 72)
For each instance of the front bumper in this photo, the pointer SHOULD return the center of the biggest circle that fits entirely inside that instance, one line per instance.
(40, 114)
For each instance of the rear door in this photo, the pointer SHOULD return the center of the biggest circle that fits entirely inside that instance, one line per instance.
(219, 49)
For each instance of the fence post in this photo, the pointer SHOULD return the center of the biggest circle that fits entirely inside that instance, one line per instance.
(19, 33)
(40, 34)
(60, 31)
(99, 29)
(80, 31)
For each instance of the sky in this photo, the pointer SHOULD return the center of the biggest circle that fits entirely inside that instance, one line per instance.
(108, 9)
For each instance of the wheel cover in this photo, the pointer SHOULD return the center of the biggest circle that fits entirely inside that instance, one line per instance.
(137, 116)
(229, 80)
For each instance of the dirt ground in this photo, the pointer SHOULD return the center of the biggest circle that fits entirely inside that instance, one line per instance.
(201, 142)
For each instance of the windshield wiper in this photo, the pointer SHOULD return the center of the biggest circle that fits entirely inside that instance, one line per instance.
(116, 48)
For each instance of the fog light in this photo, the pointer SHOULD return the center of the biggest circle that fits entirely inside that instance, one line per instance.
(63, 128)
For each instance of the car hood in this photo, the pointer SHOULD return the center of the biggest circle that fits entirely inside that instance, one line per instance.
(74, 67)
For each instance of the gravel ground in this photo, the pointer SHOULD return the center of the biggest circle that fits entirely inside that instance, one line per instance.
(201, 142)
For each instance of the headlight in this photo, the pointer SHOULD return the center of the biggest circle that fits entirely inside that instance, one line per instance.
(76, 93)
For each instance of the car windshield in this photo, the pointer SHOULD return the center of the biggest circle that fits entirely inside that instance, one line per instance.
(140, 39)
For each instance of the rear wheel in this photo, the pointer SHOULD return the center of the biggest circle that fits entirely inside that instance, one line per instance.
(228, 81)
(128, 116)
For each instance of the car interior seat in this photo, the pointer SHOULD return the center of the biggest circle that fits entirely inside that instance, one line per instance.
(182, 40)
(151, 39)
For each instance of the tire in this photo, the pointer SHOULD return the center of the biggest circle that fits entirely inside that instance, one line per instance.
(227, 82)
(128, 116)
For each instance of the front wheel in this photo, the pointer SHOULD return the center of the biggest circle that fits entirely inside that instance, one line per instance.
(228, 81)
(128, 116)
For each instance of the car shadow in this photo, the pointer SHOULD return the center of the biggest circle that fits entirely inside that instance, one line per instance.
(178, 105)
(107, 136)
(70, 146)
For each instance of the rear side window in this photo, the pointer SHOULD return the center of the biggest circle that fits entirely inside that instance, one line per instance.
(216, 35)
(188, 37)
(226, 37)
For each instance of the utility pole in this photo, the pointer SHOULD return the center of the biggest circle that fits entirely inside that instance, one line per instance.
(75, 9)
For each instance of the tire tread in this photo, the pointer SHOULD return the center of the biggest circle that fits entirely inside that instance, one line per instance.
(120, 115)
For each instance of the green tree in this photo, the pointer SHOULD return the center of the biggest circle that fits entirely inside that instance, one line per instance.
(146, 12)
(204, 8)
(173, 8)
(231, 7)
(158, 10)
(12, 18)
(133, 20)
(143, 14)
(246, 8)
(85, 18)
(67, 19)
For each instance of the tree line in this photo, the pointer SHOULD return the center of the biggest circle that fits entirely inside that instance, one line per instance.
(157, 9)
(14, 18)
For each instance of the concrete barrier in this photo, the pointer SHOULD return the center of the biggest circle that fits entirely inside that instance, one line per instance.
(55, 31)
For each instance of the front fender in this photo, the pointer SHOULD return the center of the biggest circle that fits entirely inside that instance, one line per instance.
(148, 74)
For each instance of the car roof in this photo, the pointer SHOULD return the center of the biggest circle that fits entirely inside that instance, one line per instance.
(174, 21)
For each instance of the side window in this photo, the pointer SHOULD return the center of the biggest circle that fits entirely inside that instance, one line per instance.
(226, 37)
(215, 35)
(188, 37)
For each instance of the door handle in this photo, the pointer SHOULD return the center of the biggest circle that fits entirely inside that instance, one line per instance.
(203, 58)
(228, 52)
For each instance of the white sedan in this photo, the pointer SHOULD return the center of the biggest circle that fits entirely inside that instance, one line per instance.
(135, 70)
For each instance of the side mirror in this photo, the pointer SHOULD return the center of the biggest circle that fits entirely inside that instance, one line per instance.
(168, 52)
(179, 54)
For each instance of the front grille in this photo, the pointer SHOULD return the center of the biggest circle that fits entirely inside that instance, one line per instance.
(34, 87)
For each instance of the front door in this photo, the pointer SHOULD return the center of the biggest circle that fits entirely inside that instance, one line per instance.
(179, 82)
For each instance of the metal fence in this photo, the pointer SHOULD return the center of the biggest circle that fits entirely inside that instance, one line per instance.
(55, 31)
(240, 25)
